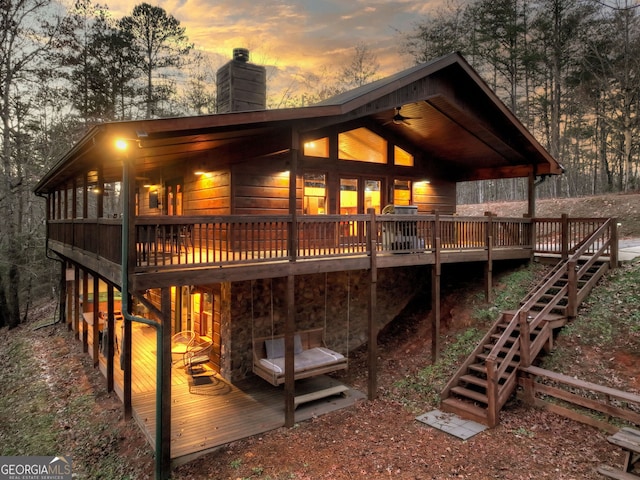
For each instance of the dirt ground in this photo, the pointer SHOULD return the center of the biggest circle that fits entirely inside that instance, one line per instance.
(377, 439)
(624, 207)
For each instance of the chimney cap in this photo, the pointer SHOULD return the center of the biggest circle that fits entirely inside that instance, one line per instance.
(241, 54)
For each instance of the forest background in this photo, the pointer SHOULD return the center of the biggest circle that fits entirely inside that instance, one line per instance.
(568, 69)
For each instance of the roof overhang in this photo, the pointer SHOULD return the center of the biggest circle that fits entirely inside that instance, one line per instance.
(455, 119)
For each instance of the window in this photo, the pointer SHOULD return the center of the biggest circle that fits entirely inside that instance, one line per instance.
(402, 157)
(315, 194)
(317, 148)
(402, 192)
(362, 145)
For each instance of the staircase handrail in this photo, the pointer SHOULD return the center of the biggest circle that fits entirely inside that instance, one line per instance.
(559, 270)
(591, 240)
(495, 370)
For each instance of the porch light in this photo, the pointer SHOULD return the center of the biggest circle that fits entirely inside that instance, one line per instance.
(121, 144)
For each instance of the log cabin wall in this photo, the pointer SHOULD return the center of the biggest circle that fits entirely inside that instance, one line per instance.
(261, 187)
(208, 194)
(435, 196)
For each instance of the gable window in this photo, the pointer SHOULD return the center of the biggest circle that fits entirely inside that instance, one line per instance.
(362, 145)
(317, 148)
(402, 157)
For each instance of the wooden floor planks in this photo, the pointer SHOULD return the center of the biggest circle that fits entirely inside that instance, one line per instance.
(206, 411)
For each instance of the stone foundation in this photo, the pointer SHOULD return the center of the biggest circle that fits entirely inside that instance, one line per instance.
(338, 302)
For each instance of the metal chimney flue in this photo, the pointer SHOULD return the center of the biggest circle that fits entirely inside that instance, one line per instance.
(241, 55)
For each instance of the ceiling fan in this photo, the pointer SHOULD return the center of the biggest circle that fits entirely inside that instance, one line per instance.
(399, 119)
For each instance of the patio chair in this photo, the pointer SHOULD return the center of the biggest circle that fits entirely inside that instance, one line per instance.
(179, 343)
(197, 354)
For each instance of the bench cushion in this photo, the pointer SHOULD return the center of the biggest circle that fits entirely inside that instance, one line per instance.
(275, 347)
(305, 360)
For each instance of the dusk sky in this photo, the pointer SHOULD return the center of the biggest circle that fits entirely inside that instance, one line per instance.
(292, 37)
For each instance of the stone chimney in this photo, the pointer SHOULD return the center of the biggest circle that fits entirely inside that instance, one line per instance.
(242, 86)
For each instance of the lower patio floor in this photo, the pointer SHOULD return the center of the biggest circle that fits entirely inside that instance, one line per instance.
(208, 412)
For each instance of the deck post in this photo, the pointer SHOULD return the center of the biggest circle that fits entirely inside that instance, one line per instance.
(372, 324)
(435, 293)
(95, 328)
(110, 336)
(613, 247)
(85, 294)
(289, 377)
(488, 268)
(68, 296)
(293, 190)
(165, 402)
(564, 226)
(76, 301)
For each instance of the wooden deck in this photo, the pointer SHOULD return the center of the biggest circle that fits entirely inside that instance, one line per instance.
(208, 412)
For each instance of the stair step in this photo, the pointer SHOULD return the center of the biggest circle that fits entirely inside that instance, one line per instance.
(505, 350)
(483, 356)
(479, 368)
(480, 382)
(464, 409)
(471, 394)
(497, 336)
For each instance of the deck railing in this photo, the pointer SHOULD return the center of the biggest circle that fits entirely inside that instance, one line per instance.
(224, 240)
(565, 235)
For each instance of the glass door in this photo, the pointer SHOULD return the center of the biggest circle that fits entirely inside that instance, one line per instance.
(349, 196)
(372, 198)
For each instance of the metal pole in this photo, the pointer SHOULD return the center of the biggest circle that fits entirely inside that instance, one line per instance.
(159, 473)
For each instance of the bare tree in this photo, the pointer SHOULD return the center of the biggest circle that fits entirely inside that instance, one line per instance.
(362, 69)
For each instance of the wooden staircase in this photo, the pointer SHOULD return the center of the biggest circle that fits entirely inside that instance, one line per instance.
(486, 380)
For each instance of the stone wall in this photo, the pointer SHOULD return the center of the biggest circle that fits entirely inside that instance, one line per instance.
(337, 302)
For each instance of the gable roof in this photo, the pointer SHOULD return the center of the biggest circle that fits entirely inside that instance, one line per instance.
(455, 120)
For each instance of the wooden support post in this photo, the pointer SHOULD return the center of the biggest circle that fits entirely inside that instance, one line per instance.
(76, 301)
(564, 234)
(165, 403)
(65, 296)
(85, 295)
(528, 389)
(372, 324)
(95, 328)
(492, 393)
(435, 303)
(293, 190)
(613, 247)
(289, 373)
(525, 339)
(488, 269)
(125, 365)
(531, 194)
(110, 336)
(572, 287)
